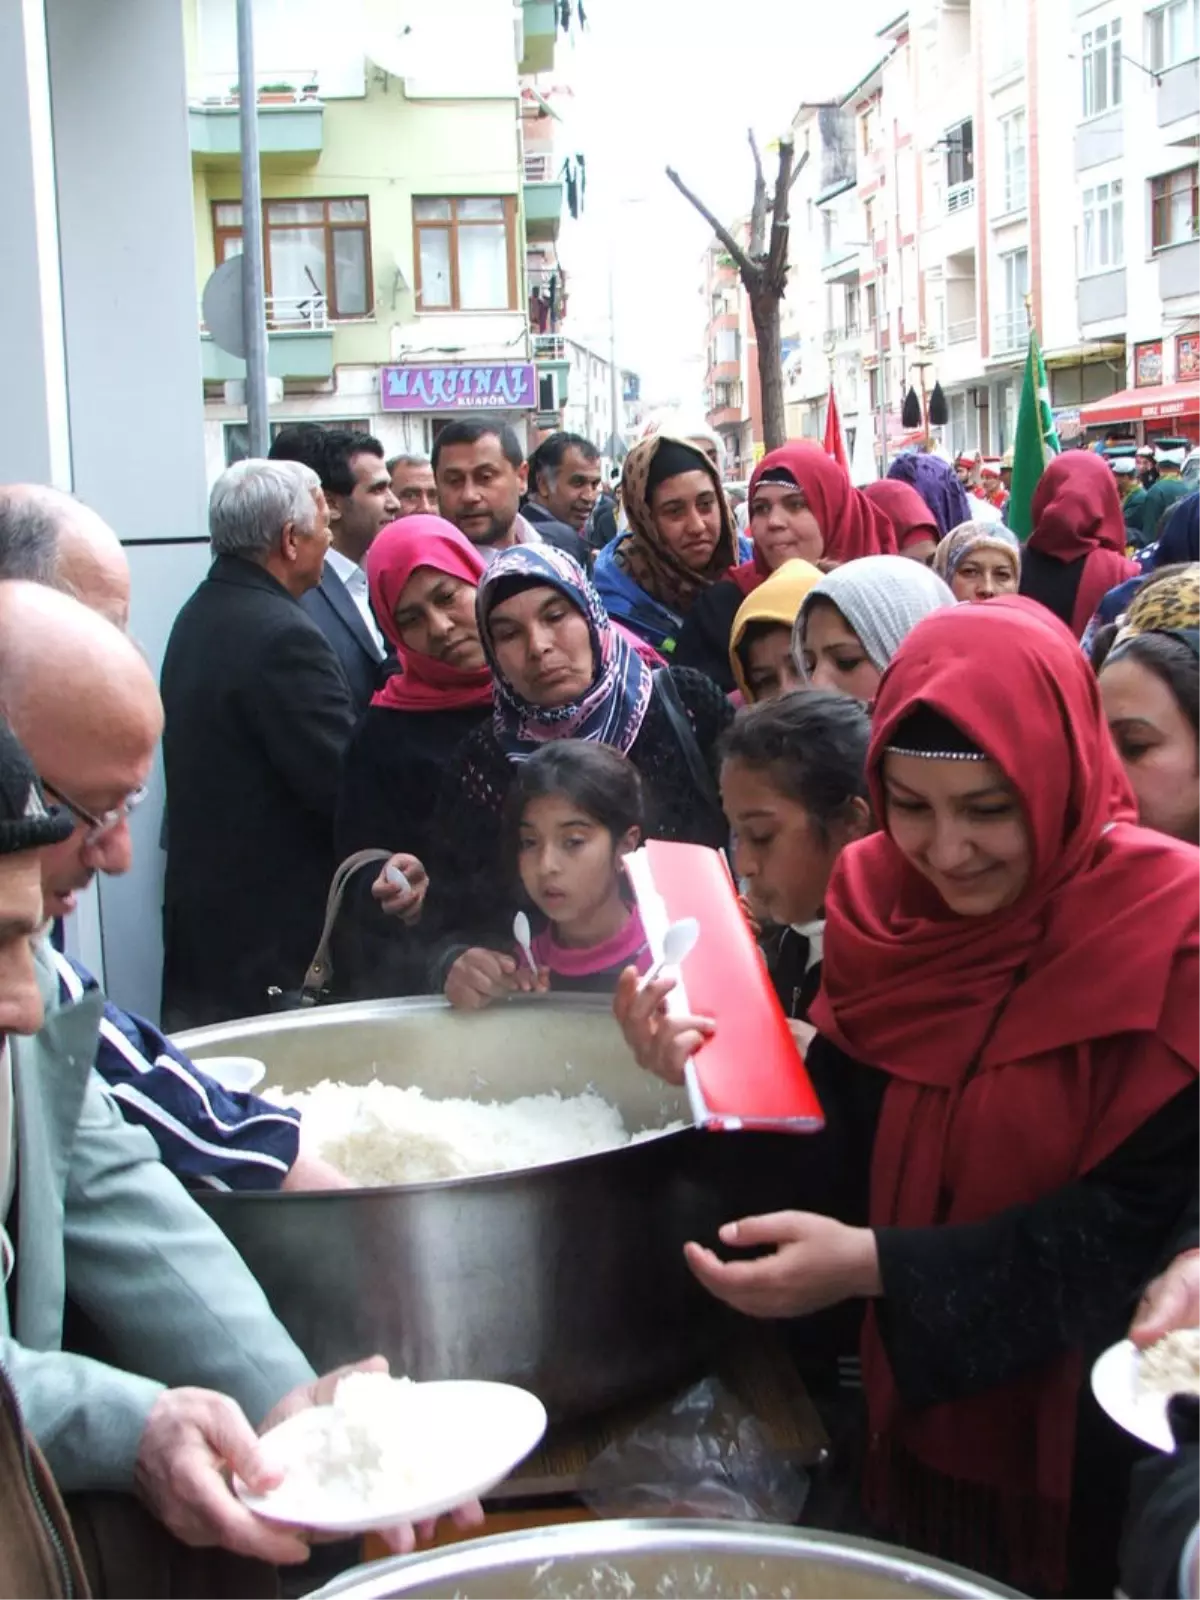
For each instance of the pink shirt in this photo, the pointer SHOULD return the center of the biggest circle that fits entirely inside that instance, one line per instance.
(627, 948)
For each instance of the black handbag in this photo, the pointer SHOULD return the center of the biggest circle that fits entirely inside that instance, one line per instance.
(318, 979)
(698, 768)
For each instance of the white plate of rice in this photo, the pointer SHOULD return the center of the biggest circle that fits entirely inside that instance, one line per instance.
(1134, 1385)
(389, 1451)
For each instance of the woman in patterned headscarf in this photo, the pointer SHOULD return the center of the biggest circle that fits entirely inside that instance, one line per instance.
(561, 670)
(681, 541)
(979, 560)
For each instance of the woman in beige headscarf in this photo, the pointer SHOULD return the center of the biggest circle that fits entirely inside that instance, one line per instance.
(681, 539)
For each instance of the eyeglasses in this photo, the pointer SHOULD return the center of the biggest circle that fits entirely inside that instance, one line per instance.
(104, 823)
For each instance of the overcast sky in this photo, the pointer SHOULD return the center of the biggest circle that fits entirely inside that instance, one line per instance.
(656, 83)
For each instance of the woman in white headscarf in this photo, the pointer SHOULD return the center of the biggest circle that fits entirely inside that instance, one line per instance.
(852, 623)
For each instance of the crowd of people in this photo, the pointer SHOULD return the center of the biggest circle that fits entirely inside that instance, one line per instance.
(957, 779)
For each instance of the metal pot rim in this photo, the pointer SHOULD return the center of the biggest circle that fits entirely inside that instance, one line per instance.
(246, 1028)
(600, 1541)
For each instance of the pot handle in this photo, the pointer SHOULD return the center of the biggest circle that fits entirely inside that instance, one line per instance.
(320, 969)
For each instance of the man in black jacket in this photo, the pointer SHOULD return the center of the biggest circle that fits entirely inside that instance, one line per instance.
(564, 481)
(481, 475)
(258, 715)
(358, 490)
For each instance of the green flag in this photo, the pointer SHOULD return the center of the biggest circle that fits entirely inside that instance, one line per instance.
(1035, 443)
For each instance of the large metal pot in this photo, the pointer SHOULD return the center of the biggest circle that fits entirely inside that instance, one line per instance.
(568, 1278)
(613, 1560)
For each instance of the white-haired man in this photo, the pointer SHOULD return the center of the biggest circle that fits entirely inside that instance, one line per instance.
(258, 714)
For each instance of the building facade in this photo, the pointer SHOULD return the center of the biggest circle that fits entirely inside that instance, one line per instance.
(733, 396)
(411, 201)
(1007, 161)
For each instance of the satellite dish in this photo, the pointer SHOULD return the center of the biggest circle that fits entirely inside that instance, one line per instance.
(221, 307)
(387, 37)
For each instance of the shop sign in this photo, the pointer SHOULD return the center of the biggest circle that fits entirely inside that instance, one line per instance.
(488, 386)
(1148, 364)
(1187, 357)
(1068, 424)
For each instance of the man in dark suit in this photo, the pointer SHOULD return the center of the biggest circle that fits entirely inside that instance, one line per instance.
(358, 491)
(258, 715)
(564, 481)
(481, 475)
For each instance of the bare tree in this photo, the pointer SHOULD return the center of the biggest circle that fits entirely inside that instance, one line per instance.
(763, 268)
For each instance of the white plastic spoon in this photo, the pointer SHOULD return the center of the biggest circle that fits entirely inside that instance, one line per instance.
(523, 934)
(678, 943)
(396, 878)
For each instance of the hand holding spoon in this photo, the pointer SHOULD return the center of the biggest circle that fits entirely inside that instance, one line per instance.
(523, 934)
(678, 943)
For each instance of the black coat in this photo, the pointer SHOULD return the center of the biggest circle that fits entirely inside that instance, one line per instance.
(258, 715)
(559, 534)
(388, 801)
(339, 619)
(703, 641)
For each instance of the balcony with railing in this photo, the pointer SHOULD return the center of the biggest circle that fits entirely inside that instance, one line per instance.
(549, 347)
(1010, 331)
(962, 332)
(291, 121)
(543, 196)
(960, 197)
(299, 342)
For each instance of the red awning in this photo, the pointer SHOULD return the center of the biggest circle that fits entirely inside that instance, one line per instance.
(1160, 403)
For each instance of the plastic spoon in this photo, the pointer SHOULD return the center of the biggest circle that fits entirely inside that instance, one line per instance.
(523, 934)
(396, 878)
(678, 943)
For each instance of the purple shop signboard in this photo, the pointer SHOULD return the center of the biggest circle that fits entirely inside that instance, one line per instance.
(495, 386)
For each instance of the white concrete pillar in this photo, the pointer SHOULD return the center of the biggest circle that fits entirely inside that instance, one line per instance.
(34, 433)
(130, 317)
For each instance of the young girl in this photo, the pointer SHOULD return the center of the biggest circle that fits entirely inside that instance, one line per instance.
(573, 812)
(793, 785)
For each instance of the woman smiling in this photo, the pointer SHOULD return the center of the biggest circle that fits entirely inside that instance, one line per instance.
(1007, 1053)
(803, 507)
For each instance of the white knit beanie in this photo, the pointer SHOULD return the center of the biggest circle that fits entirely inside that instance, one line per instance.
(882, 598)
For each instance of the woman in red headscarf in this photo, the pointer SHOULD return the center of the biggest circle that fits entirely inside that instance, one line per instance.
(802, 507)
(423, 575)
(913, 523)
(1007, 1050)
(1076, 552)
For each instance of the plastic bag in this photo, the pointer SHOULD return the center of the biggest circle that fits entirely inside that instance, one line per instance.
(704, 1455)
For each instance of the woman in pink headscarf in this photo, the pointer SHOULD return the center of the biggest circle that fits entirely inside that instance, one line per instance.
(802, 507)
(423, 575)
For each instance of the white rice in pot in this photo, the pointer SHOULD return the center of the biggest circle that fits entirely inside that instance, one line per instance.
(378, 1133)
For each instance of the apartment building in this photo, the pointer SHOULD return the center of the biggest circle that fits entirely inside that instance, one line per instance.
(412, 197)
(1137, 205)
(733, 396)
(1004, 158)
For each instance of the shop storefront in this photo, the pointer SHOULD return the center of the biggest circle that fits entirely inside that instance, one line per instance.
(1152, 412)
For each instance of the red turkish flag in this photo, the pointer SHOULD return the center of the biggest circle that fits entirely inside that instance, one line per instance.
(835, 445)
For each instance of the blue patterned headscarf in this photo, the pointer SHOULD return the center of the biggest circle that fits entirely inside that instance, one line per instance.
(936, 483)
(611, 709)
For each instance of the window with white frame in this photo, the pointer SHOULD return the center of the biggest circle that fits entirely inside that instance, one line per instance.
(1100, 50)
(1014, 189)
(1172, 34)
(1103, 227)
(1012, 324)
(726, 346)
